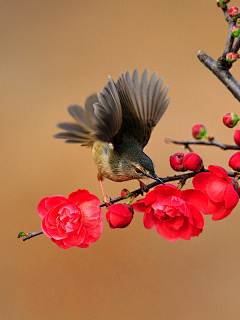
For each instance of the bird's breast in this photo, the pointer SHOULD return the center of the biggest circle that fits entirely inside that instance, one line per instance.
(103, 153)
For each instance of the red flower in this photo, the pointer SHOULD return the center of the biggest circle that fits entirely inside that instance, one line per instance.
(222, 198)
(176, 161)
(76, 221)
(237, 137)
(174, 213)
(192, 161)
(234, 161)
(119, 215)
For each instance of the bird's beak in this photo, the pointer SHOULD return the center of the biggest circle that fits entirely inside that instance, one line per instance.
(155, 177)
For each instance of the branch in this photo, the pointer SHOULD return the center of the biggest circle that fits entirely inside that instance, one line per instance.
(33, 234)
(211, 142)
(220, 69)
(230, 39)
(182, 177)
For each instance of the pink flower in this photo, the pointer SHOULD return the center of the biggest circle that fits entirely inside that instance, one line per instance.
(176, 161)
(119, 215)
(174, 213)
(234, 161)
(199, 131)
(222, 197)
(76, 221)
(192, 161)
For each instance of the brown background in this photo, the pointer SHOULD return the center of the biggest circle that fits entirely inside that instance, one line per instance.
(55, 53)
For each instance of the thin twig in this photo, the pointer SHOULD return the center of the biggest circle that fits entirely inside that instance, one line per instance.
(33, 234)
(211, 142)
(230, 39)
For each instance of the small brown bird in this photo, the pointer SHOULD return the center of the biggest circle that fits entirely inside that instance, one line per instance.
(117, 124)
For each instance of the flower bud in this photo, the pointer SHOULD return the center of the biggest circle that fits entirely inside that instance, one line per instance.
(232, 57)
(234, 13)
(125, 193)
(234, 161)
(234, 183)
(176, 161)
(230, 119)
(199, 131)
(223, 2)
(192, 161)
(237, 137)
(235, 31)
(119, 215)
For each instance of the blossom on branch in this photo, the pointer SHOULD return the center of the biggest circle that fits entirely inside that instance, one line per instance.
(234, 161)
(219, 189)
(237, 137)
(174, 213)
(192, 161)
(176, 161)
(230, 119)
(199, 131)
(119, 215)
(72, 221)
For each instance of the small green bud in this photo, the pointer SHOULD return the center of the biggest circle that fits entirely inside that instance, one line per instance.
(223, 2)
(234, 13)
(232, 57)
(235, 31)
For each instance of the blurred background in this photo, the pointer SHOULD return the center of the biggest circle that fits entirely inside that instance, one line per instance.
(56, 53)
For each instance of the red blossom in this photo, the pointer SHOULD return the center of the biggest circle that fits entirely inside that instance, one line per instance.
(234, 161)
(119, 215)
(192, 161)
(237, 137)
(222, 197)
(76, 221)
(176, 161)
(174, 213)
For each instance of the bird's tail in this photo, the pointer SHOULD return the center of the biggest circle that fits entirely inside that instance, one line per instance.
(84, 130)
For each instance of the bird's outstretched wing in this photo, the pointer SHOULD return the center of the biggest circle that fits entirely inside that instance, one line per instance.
(143, 103)
(126, 107)
(101, 119)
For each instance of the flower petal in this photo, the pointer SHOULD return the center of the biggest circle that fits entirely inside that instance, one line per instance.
(219, 171)
(195, 197)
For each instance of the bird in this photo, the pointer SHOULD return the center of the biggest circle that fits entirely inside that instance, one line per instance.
(117, 124)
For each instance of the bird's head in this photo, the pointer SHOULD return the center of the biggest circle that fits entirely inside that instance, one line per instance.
(139, 166)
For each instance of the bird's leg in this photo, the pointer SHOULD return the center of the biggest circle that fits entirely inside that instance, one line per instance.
(143, 187)
(107, 200)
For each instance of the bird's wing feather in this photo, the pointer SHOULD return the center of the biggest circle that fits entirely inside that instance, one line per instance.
(108, 113)
(143, 103)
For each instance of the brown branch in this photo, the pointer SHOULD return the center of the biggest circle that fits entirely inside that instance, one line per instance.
(211, 142)
(220, 69)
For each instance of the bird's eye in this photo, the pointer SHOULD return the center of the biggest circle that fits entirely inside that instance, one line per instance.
(138, 170)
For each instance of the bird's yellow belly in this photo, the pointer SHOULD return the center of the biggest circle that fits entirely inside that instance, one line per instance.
(101, 154)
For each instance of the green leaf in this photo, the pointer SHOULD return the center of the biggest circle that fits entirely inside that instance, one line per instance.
(22, 234)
